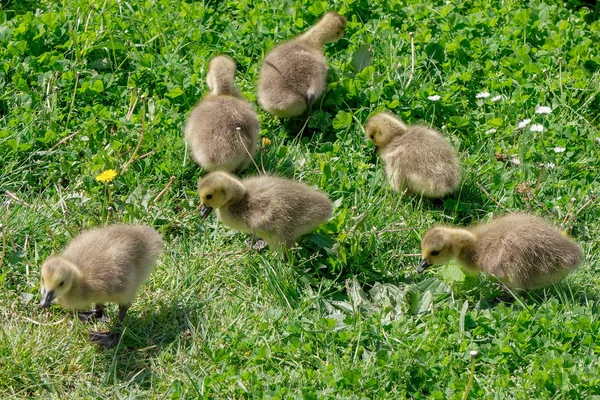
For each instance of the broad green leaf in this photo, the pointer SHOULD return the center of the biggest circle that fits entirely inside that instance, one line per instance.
(362, 58)
(97, 86)
(175, 92)
(342, 120)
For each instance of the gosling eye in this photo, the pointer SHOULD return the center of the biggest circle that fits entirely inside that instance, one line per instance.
(435, 253)
(209, 197)
(62, 283)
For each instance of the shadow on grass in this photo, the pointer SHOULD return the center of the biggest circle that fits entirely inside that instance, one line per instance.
(145, 336)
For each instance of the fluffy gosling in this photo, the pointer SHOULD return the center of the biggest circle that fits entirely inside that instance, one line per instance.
(277, 210)
(101, 265)
(416, 157)
(520, 250)
(222, 130)
(294, 73)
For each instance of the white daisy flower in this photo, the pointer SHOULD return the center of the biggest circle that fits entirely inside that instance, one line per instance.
(496, 98)
(490, 131)
(536, 128)
(515, 161)
(550, 165)
(543, 110)
(435, 97)
(482, 95)
(559, 149)
(524, 123)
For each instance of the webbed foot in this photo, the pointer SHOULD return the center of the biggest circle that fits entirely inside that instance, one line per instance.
(105, 340)
(92, 315)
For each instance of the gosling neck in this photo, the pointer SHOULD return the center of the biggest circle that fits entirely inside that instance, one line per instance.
(464, 243)
(313, 38)
(225, 87)
(397, 127)
(236, 192)
(391, 128)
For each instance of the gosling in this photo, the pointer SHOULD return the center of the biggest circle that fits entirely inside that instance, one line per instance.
(277, 210)
(520, 250)
(222, 130)
(101, 265)
(294, 74)
(416, 157)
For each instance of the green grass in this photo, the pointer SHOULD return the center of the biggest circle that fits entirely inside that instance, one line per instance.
(348, 316)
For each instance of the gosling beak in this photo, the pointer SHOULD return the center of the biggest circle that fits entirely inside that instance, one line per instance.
(47, 297)
(424, 265)
(375, 148)
(205, 211)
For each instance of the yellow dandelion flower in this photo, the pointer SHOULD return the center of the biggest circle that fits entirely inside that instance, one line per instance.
(266, 141)
(107, 176)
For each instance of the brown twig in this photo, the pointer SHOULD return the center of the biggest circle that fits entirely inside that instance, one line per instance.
(239, 132)
(132, 107)
(227, 254)
(491, 198)
(139, 143)
(539, 179)
(15, 198)
(61, 141)
(41, 324)
(146, 155)
(72, 99)
(587, 203)
(3, 252)
(569, 212)
(560, 74)
(390, 230)
(164, 190)
(412, 58)
(25, 253)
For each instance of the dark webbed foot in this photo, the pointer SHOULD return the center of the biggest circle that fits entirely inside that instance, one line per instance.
(257, 245)
(92, 315)
(505, 297)
(105, 340)
(109, 339)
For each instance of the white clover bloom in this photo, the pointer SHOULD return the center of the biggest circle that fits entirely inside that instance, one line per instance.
(435, 97)
(597, 140)
(559, 149)
(550, 165)
(496, 98)
(524, 123)
(515, 161)
(482, 95)
(543, 110)
(536, 128)
(490, 131)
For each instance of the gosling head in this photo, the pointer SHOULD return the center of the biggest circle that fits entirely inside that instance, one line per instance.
(217, 189)
(331, 27)
(382, 128)
(221, 74)
(57, 277)
(438, 247)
